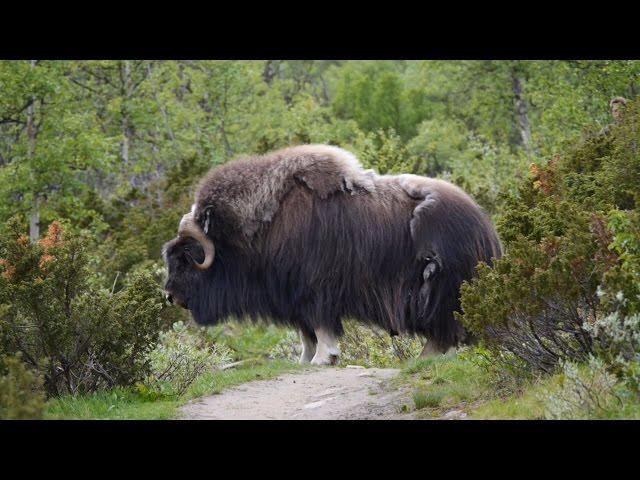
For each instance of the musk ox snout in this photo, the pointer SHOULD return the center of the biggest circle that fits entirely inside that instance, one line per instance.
(172, 300)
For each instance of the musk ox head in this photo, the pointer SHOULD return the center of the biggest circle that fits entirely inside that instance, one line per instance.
(187, 256)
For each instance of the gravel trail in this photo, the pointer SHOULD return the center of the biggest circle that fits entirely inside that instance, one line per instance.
(327, 393)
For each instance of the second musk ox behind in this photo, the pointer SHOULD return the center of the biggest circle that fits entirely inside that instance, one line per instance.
(306, 237)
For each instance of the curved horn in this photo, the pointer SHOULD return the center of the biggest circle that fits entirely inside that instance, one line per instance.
(189, 228)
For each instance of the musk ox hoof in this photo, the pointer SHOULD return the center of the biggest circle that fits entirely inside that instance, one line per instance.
(330, 359)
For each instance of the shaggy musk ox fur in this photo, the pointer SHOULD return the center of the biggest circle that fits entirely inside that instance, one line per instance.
(305, 237)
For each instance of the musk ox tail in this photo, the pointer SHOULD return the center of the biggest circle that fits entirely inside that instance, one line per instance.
(451, 234)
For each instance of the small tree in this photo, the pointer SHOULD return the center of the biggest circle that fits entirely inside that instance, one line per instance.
(571, 255)
(78, 336)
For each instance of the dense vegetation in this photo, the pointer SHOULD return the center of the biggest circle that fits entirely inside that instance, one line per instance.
(98, 160)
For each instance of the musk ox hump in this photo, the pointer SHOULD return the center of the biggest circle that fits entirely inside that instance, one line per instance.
(248, 192)
(327, 169)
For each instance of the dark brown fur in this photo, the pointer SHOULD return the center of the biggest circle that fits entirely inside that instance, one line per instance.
(305, 237)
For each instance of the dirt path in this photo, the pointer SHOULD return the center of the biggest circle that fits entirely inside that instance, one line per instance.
(318, 394)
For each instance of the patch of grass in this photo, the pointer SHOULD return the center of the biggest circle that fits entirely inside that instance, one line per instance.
(465, 382)
(118, 404)
(128, 404)
(431, 399)
(443, 382)
(629, 409)
(246, 339)
(529, 404)
(249, 342)
(214, 382)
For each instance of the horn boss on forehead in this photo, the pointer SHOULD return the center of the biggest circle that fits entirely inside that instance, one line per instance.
(189, 228)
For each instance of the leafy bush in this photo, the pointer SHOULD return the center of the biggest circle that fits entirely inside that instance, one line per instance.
(370, 347)
(621, 284)
(618, 346)
(587, 391)
(182, 355)
(80, 337)
(503, 371)
(383, 151)
(533, 304)
(572, 255)
(21, 395)
(288, 348)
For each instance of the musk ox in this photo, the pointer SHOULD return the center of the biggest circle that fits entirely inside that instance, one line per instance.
(306, 237)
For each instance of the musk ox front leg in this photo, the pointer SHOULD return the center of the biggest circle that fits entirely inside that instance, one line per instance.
(308, 346)
(327, 351)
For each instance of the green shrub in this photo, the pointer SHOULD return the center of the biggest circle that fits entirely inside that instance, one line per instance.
(587, 391)
(572, 242)
(620, 290)
(503, 371)
(371, 347)
(534, 302)
(78, 336)
(182, 355)
(21, 395)
(618, 346)
(288, 348)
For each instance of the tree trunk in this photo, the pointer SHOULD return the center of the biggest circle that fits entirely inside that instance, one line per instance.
(269, 72)
(32, 133)
(125, 79)
(521, 110)
(34, 220)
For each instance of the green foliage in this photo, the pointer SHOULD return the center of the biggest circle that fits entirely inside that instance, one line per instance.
(79, 337)
(370, 347)
(375, 96)
(427, 399)
(446, 382)
(21, 395)
(131, 403)
(51, 147)
(382, 151)
(115, 148)
(587, 391)
(287, 348)
(618, 346)
(249, 340)
(180, 357)
(566, 263)
(621, 284)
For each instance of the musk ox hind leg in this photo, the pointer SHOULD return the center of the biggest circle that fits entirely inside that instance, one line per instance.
(327, 351)
(308, 346)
